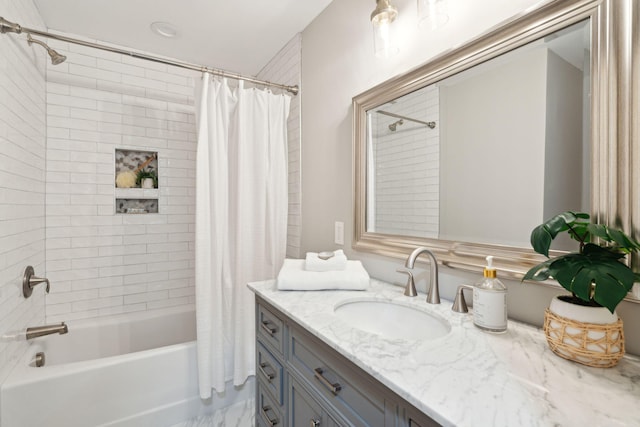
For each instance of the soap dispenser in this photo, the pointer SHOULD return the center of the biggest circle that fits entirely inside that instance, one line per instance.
(490, 301)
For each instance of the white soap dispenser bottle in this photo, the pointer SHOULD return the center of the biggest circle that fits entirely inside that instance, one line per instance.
(490, 301)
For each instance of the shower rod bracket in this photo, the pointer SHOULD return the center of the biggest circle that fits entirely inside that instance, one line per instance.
(9, 27)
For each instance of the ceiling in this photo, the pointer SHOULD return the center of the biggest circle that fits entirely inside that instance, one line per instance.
(234, 35)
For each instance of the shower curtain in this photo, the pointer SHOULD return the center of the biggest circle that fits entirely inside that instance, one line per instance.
(241, 221)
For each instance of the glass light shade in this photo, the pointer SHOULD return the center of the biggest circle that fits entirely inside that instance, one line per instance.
(381, 18)
(432, 14)
(383, 44)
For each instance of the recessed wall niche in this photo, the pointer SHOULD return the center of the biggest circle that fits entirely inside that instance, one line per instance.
(136, 181)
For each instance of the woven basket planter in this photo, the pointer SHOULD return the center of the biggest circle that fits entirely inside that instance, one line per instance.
(599, 344)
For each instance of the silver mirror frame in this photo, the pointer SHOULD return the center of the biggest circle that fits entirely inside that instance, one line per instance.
(615, 89)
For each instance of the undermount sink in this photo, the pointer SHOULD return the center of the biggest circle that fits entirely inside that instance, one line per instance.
(392, 320)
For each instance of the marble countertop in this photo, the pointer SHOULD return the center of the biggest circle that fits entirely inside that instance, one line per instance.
(470, 377)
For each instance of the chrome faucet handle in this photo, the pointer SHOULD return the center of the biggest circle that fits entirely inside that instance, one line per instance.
(460, 304)
(29, 281)
(410, 288)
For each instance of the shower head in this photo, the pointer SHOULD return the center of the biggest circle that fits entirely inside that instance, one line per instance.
(394, 125)
(56, 58)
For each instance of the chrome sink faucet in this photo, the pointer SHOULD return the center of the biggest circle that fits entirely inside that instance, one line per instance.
(433, 296)
(40, 331)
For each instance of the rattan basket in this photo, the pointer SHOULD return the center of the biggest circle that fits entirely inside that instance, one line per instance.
(591, 344)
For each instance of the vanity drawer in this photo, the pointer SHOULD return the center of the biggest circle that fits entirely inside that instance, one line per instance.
(350, 393)
(267, 411)
(269, 372)
(270, 328)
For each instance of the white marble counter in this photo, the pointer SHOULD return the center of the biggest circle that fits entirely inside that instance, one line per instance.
(469, 377)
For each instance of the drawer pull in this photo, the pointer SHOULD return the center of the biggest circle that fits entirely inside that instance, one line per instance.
(315, 423)
(271, 330)
(269, 375)
(333, 387)
(271, 421)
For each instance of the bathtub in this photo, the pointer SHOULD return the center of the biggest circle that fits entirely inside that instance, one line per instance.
(128, 370)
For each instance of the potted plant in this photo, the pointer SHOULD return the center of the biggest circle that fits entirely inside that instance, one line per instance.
(147, 178)
(584, 326)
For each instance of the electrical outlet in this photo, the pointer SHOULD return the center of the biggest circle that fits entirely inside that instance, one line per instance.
(339, 233)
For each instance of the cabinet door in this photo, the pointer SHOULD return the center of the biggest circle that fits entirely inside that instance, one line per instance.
(269, 372)
(354, 396)
(267, 411)
(304, 411)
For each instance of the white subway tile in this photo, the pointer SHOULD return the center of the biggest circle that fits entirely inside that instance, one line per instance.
(122, 290)
(96, 303)
(96, 283)
(69, 297)
(146, 297)
(72, 316)
(171, 302)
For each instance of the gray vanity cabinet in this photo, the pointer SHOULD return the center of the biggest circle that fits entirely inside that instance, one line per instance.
(301, 381)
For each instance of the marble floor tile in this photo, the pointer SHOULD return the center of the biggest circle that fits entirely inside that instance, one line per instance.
(241, 414)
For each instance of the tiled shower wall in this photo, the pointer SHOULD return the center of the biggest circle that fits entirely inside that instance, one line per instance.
(22, 180)
(285, 68)
(100, 262)
(407, 191)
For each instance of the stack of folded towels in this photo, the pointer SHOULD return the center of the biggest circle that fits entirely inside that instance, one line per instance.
(327, 270)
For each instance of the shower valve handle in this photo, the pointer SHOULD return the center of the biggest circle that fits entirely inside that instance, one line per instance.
(30, 280)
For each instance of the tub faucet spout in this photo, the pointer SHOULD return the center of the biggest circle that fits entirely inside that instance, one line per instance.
(433, 296)
(40, 331)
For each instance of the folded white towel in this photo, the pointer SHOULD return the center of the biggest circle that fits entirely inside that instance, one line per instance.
(314, 263)
(294, 277)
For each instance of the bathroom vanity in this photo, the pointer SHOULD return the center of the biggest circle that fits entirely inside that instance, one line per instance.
(304, 382)
(317, 368)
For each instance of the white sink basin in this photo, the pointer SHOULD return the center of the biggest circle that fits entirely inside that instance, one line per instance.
(392, 320)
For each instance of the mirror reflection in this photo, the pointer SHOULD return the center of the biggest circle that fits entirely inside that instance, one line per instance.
(487, 154)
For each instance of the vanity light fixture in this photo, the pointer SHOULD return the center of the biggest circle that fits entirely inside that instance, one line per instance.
(432, 14)
(381, 18)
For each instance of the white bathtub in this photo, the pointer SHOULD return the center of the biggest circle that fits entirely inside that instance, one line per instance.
(130, 370)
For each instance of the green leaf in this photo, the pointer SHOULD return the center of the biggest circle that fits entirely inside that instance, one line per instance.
(542, 235)
(541, 240)
(595, 273)
(596, 265)
(539, 273)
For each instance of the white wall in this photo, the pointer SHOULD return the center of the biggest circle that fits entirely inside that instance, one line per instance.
(22, 179)
(337, 64)
(564, 172)
(474, 156)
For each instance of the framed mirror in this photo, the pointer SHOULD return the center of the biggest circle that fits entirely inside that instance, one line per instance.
(469, 152)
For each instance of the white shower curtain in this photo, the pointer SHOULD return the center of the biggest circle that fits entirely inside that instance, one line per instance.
(241, 222)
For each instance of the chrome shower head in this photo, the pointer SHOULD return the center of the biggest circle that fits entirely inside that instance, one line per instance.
(56, 58)
(394, 125)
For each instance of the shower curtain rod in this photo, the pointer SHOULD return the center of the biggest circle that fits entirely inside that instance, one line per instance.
(10, 27)
(431, 125)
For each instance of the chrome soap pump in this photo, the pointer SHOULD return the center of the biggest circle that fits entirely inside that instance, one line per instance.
(490, 301)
